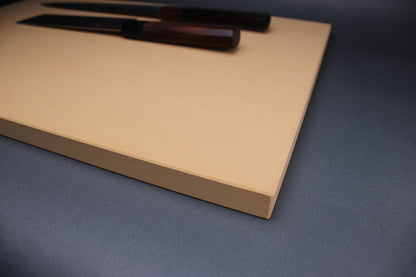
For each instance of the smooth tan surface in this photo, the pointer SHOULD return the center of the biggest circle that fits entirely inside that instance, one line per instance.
(220, 126)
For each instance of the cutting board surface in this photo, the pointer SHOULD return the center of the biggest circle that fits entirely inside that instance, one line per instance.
(224, 121)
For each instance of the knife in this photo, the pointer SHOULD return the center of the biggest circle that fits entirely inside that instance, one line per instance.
(167, 32)
(245, 20)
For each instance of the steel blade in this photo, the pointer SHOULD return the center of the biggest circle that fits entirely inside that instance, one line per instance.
(103, 24)
(126, 9)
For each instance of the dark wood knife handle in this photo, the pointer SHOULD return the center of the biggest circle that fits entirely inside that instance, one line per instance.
(244, 20)
(182, 33)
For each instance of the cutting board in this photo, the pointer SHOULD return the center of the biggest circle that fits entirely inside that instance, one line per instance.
(216, 125)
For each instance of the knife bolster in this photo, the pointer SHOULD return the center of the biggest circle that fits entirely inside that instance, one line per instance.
(132, 29)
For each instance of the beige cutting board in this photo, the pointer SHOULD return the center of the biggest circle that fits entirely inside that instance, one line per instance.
(219, 126)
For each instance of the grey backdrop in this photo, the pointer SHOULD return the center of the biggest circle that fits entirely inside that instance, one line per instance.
(347, 206)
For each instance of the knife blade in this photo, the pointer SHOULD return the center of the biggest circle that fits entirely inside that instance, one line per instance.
(245, 20)
(166, 32)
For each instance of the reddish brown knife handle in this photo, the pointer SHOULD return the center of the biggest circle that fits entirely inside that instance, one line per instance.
(182, 33)
(245, 20)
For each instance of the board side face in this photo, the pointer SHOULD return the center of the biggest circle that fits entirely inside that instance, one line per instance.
(195, 186)
(228, 117)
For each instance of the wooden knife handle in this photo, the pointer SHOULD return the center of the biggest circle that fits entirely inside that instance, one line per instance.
(182, 33)
(244, 20)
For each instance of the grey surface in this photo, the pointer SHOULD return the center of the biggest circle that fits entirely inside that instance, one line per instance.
(347, 206)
